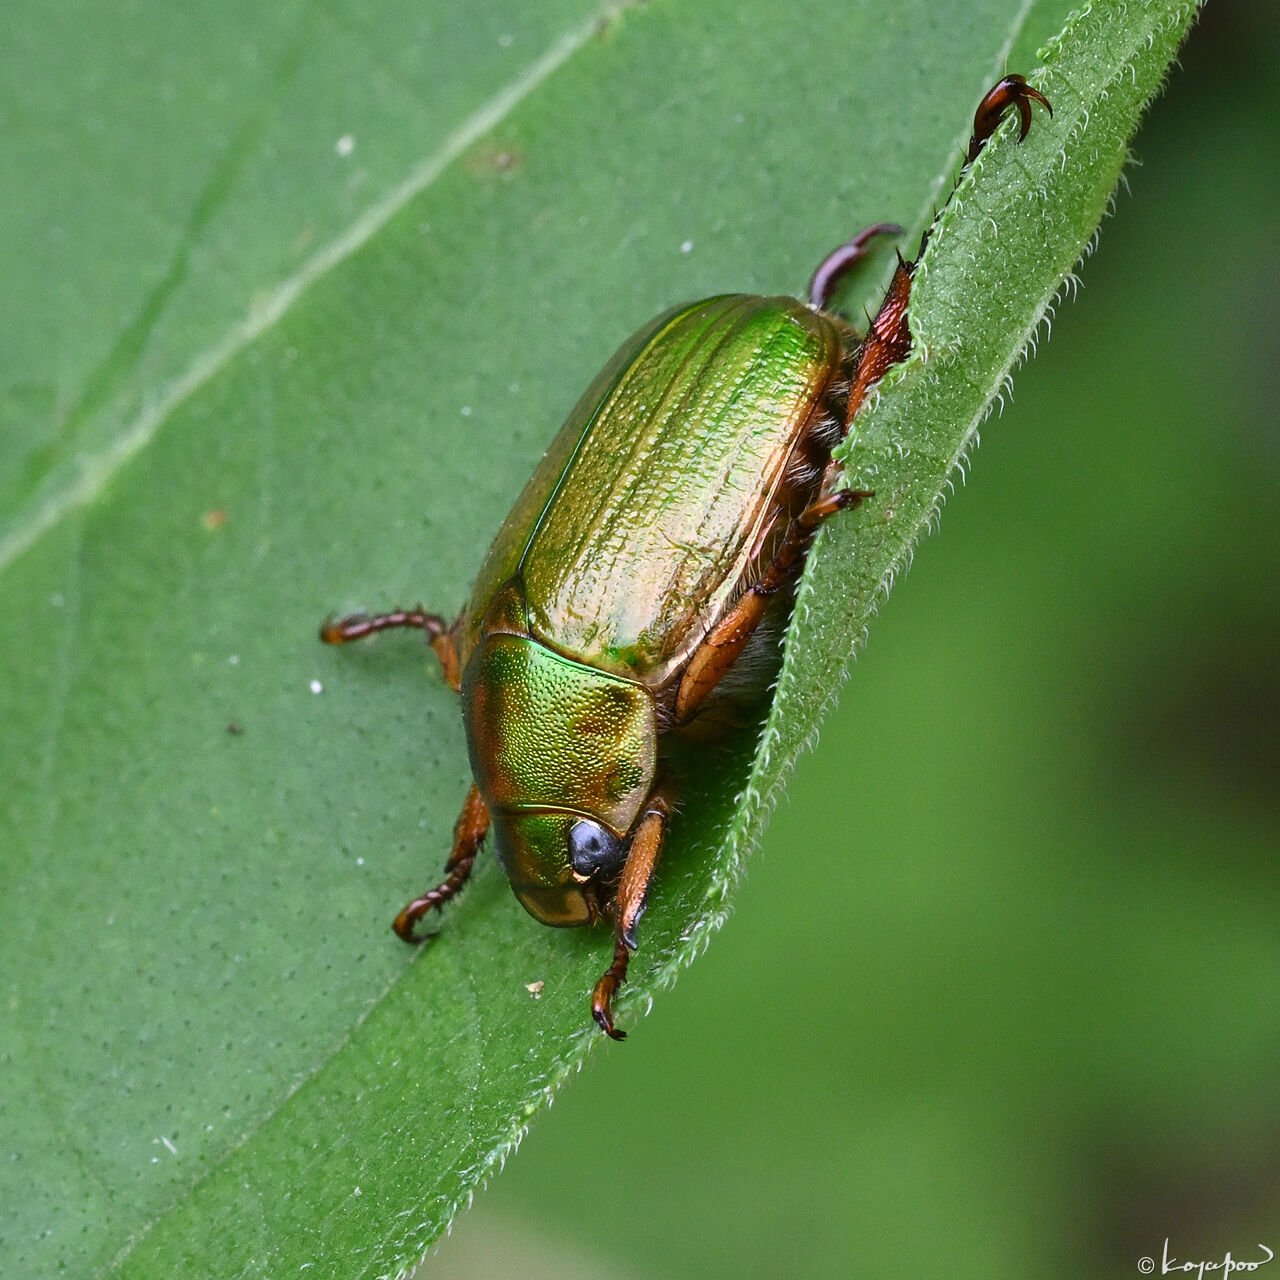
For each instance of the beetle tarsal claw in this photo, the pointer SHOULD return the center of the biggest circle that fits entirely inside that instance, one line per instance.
(601, 1011)
(403, 925)
(602, 997)
(1012, 93)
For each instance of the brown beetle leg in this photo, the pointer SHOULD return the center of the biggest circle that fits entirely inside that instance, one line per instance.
(889, 341)
(439, 635)
(633, 889)
(833, 268)
(468, 836)
(1012, 92)
(725, 642)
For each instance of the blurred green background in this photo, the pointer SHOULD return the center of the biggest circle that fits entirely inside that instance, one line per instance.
(1026, 1021)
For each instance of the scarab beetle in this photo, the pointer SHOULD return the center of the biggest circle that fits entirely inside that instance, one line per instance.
(671, 513)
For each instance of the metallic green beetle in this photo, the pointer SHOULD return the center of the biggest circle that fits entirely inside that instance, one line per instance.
(669, 516)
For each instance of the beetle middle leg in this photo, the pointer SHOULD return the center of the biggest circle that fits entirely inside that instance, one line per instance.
(468, 835)
(438, 631)
(633, 889)
(725, 642)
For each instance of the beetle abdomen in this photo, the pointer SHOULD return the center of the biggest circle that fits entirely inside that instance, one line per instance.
(671, 480)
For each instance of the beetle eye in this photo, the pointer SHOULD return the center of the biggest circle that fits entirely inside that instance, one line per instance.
(593, 850)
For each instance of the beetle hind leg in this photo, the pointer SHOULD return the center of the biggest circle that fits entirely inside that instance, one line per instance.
(468, 835)
(889, 340)
(440, 635)
(1011, 93)
(839, 262)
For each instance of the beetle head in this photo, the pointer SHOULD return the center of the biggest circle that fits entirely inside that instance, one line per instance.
(562, 866)
(564, 756)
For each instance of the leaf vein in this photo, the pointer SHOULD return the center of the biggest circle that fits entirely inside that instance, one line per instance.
(95, 472)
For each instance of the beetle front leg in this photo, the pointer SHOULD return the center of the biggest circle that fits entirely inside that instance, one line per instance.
(633, 889)
(440, 635)
(468, 835)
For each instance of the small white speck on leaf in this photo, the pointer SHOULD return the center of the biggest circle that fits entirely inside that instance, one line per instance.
(687, 247)
(359, 862)
(317, 687)
(505, 40)
(234, 660)
(466, 411)
(345, 145)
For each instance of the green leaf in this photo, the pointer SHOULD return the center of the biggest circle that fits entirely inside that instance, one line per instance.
(994, 265)
(216, 1059)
